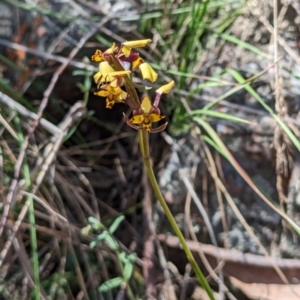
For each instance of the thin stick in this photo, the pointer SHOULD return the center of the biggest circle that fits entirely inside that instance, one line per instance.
(48, 56)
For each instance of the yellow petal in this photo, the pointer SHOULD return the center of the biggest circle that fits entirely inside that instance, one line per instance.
(118, 94)
(116, 82)
(137, 119)
(155, 117)
(126, 51)
(97, 77)
(137, 62)
(137, 44)
(97, 57)
(119, 73)
(122, 95)
(148, 72)
(127, 46)
(105, 69)
(102, 93)
(112, 89)
(113, 49)
(146, 105)
(107, 73)
(165, 89)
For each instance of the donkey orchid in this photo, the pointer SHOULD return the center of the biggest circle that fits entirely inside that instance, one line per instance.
(114, 74)
(145, 115)
(107, 74)
(112, 94)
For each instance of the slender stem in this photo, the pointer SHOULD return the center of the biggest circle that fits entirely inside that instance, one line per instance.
(144, 145)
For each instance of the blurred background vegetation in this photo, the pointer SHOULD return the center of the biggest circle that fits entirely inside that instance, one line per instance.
(78, 217)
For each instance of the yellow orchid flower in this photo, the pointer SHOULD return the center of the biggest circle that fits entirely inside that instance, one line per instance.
(145, 115)
(99, 56)
(148, 72)
(127, 46)
(112, 94)
(114, 64)
(107, 74)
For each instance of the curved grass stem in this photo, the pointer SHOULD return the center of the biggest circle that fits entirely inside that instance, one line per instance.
(144, 145)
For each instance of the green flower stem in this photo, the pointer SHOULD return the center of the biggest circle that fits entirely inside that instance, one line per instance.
(144, 145)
